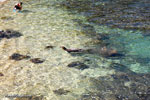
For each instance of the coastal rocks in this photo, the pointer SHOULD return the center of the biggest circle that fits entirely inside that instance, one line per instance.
(61, 91)
(37, 60)
(9, 34)
(17, 57)
(78, 65)
(1, 74)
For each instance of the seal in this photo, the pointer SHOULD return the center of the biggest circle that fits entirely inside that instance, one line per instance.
(71, 50)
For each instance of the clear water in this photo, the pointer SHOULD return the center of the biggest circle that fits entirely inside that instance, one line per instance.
(76, 24)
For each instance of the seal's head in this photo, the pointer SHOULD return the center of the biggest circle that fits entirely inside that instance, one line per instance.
(64, 48)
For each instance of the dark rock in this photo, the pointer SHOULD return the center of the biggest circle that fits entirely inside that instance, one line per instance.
(37, 60)
(49, 47)
(10, 34)
(1, 74)
(78, 65)
(61, 91)
(17, 57)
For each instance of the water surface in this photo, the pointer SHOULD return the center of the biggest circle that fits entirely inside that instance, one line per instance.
(86, 24)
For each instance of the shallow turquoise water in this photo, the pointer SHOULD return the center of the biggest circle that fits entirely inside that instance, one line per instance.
(81, 24)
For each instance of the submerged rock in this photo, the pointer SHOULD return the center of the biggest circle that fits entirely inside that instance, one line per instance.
(1, 74)
(78, 65)
(6, 18)
(121, 86)
(61, 91)
(10, 34)
(17, 57)
(37, 60)
(29, 98)
(49, 47)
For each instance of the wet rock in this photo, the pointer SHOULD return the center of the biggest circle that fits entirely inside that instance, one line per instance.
(78, 65)
(17, 57)
(10, 34)
(37, 60)
(49, 47)
(1, 74)
(61, 91)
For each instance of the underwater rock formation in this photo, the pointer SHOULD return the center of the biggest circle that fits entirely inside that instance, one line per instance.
(119, 86)
(37, 60)
(49, 47)
(17, 57)
(61, 91)
(78, 65)
(9, 34)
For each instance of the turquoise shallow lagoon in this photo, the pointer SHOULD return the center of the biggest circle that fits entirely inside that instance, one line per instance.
(113, 35)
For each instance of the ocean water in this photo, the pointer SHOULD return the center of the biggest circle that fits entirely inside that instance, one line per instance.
(90, 25)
